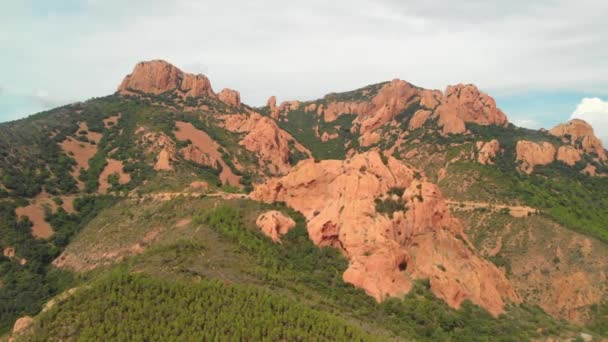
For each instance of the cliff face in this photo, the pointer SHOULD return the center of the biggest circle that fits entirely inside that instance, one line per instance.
(530, 154)
(156, 77)
(580, 134)
(342, 201)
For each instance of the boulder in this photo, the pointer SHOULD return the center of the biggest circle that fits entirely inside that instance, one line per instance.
(275, 224)
(21, 324)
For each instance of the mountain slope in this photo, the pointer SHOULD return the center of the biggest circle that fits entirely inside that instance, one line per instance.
(360, 167)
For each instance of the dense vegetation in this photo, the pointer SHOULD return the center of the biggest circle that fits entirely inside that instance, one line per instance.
(574, 200)
(313, 272)
(301, 125)
(127, 307)
(26, 287)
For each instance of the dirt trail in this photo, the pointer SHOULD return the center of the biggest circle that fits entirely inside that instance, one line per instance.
(513, 210)
(167, 196)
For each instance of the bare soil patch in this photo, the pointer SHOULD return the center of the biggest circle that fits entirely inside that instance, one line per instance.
(202, 140)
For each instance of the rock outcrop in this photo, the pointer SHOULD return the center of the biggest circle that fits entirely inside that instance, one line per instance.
(467, 103)
(21, 324)
(568, 155)
(460, 104)
(580, 134)
(163, 146)
(271, 144)
(275, 224)
(9, 252)
(272, 107)
(158, 76)
(230, 97)
(529, 154)
(386, 252)
(486, 151)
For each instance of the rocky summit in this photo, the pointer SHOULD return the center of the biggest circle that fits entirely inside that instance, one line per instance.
(389, 212)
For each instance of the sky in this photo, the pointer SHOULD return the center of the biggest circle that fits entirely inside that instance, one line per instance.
(544, 61)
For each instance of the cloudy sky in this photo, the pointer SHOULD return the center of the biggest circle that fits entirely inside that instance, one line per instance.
(544, 61)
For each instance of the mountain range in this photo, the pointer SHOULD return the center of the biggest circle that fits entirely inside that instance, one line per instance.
(390, 212)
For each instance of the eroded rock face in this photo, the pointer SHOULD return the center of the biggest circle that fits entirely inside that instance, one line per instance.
(486, 151)
(386, 253)
(275, 224)
(568, 155)
(265, 138)
(230, 97)
(472, 105)
(580, 134)
(160, 144)
(531, 154)
(158, 76)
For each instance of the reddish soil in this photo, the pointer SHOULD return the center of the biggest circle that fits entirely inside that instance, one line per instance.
(203, 142)
(114, 166)
(35, 213)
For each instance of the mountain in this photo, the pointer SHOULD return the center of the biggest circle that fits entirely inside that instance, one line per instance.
(389, 212)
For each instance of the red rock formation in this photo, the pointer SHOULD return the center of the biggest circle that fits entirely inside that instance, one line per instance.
(272, 106)
(459, 105)
(265, 138)
(156, 77)
(194, 154)
(419, 119)
(368, 139)
(385, 254)
(486, 151)
(531, 154)
(274, 224)
(9, 252)
(160, 143)
(471, 105)
(230, 97)
(568, 155)
(580, 134)
(22, 323)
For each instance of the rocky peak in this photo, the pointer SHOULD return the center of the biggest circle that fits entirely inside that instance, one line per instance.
(462, 104)
(158, 76)
(581, 135)
(230, 97)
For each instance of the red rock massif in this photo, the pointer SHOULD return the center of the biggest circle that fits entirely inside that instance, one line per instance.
(156, 77)
(387, 253)
(342, 199)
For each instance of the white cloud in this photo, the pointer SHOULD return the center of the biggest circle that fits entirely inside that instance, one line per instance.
(303, 50)
(524, 121)
(595, 112)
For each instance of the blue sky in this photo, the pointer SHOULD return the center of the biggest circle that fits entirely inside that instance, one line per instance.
(539, 59)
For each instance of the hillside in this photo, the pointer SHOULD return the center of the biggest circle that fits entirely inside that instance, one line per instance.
(389, 212)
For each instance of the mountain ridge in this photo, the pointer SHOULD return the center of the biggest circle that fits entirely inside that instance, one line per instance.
(398, 166)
